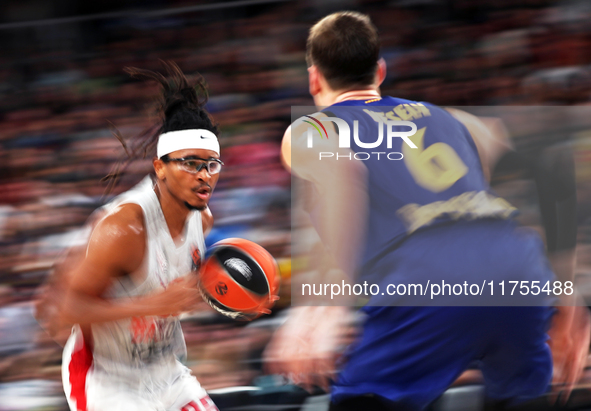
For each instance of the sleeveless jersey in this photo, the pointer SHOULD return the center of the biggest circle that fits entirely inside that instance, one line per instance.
(411, 188)
(418, 230)
(139, 341)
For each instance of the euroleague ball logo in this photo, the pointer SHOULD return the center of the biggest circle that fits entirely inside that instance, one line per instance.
(195, 259)
(221, 288)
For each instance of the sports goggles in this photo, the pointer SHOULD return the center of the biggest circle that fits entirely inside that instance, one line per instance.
(194, 165)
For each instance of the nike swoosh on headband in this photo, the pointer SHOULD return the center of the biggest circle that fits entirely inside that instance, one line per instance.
(187, 139)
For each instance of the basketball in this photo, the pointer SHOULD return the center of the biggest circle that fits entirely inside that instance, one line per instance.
(239, 279)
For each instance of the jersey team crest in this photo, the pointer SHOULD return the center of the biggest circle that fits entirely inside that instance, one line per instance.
(195, 258)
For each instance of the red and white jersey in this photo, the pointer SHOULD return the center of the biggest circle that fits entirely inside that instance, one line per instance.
(169, 387)
(134, 362)
(140, 341)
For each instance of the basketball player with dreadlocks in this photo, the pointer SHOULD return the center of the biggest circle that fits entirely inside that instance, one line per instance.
(137, 273)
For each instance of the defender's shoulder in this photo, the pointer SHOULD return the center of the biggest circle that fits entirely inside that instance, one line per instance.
(489, 135)
(206, 220)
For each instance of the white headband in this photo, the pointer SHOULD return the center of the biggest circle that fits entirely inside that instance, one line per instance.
(185, 139)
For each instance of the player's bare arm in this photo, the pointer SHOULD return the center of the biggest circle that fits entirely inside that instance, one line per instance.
(342, 187)
(492, 141)
(49, 304)
(305, 346)
(286, 149)
(489, 135)
(206, 221)
(116, 248)
(571, 326)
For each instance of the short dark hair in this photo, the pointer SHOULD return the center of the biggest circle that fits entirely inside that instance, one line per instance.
(345, 47)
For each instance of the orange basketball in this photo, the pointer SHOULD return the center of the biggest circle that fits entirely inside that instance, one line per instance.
(239, 279)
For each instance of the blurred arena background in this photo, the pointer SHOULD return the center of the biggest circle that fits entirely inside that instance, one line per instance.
(62, 84)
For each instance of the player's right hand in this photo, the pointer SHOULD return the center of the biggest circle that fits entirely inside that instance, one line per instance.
(304, 349)
(181, 295)
(569, 341)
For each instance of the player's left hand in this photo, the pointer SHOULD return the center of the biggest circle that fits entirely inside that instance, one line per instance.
(305, 348)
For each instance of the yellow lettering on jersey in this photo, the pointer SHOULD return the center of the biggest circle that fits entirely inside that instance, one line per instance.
(436, 167)
(469, 205)
(400, 110)
(390, 115)
(422, 109)
(412, 112)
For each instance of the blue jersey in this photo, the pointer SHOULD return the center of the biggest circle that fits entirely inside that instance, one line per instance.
(410, 354)
(410, 188)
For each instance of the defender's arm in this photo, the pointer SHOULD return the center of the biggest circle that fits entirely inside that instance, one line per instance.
(553, 171)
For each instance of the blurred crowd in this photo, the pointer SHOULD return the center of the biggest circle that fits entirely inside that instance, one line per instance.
(64, 94)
